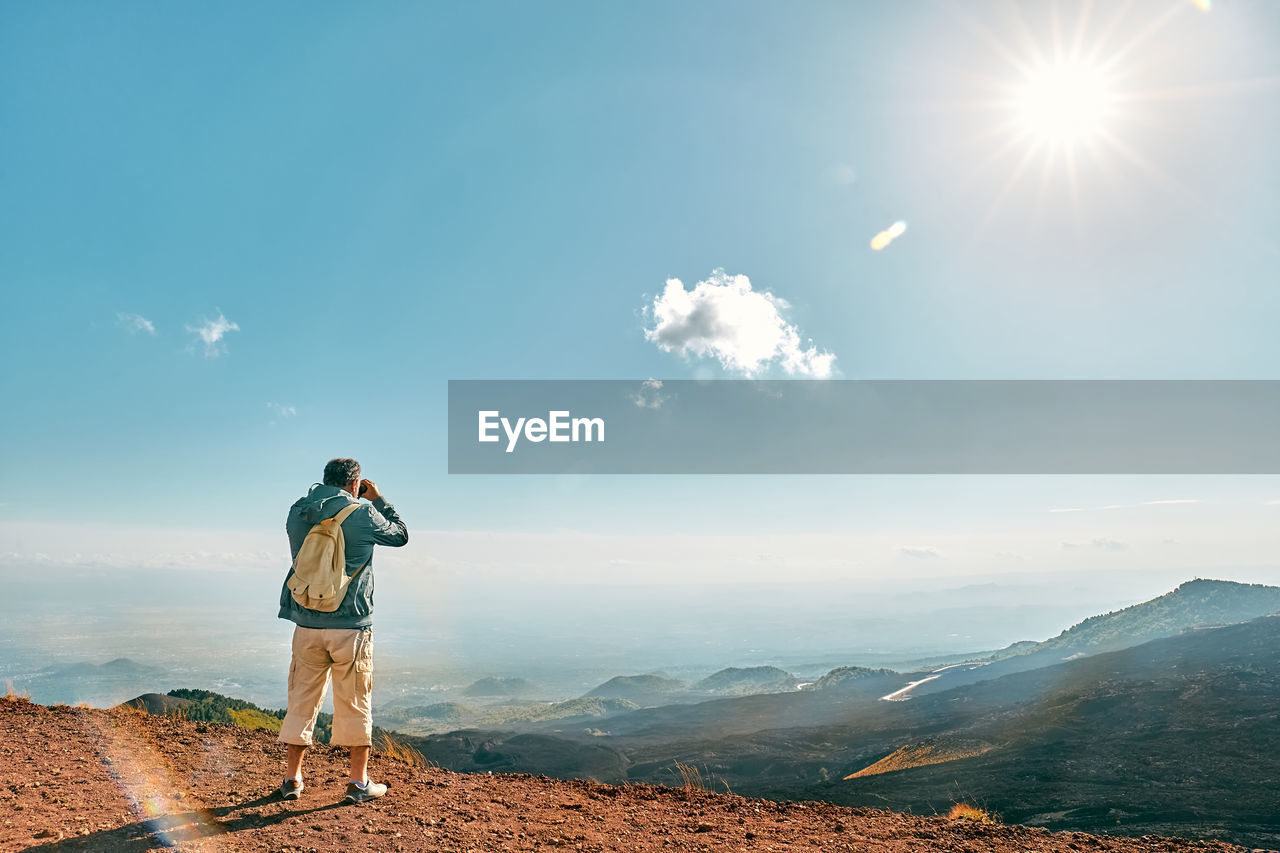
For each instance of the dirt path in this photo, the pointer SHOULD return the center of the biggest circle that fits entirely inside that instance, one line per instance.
(83, 779)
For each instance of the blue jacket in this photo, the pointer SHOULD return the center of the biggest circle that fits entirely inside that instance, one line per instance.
(373, 524)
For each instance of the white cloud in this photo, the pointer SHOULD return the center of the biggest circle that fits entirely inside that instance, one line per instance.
(134, 323)
(744, 329)
(919, 552)
(650, 395)
(282, 411)
(211, 332)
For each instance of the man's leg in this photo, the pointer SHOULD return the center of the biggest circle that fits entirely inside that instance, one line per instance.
(352, 698)
(360, 763)
(308, 680)
(293, 761)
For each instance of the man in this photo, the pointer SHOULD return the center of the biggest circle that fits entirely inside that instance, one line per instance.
(337, 645)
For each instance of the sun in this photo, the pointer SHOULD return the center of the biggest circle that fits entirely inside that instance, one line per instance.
(1064, 103)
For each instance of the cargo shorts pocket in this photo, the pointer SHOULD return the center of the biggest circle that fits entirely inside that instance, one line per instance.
(364, 651)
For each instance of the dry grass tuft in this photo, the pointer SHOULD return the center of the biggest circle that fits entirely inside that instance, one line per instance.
(964, 811)
(11, 696)
(690, 777)
(404, 753)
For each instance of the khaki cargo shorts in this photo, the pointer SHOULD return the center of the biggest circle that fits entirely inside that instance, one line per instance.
(346, 656)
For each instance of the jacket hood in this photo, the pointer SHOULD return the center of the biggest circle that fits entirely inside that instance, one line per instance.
(322, 502)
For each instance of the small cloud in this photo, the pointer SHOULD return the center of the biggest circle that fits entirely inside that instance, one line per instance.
(211, 333)
(134, 323)
(282, 411)
(884, 238)
(1170, 541)
(1102, 542)
(743, 329)
(649, 396)
(1271, 503)
(923, 553)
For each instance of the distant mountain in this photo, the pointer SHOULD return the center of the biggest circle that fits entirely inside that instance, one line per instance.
(736, 681)
(1175, 736)
(118, 668)
(1193, 605)
(93, 683)
(450, 716)
(847, 676)
(1197, 603)
(644, 690)
(1179, 735)
(505, 687)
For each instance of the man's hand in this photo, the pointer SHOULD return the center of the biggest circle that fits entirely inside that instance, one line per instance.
(369, 490)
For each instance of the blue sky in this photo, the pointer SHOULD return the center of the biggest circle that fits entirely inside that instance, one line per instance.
(383, 197)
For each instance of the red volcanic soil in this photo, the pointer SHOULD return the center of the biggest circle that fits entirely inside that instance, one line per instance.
(121, 780)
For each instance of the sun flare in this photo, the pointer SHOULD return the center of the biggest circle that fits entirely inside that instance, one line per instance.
(1064, 103)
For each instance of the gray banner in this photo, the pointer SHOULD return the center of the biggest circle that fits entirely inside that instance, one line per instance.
(864, 427)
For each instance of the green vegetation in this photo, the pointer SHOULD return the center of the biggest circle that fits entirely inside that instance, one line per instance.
(249, 718)
(209, 707)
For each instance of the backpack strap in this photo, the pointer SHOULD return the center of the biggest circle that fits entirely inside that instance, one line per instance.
(342, 516)
(346, 511)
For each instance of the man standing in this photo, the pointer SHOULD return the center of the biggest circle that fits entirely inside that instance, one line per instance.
(337, 645)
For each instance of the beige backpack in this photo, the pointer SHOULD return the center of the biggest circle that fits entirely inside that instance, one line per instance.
(319, 578)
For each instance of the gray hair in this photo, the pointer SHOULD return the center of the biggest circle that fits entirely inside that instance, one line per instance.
(339, 472)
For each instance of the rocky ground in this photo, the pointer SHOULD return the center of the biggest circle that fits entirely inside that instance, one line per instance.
(85, 779)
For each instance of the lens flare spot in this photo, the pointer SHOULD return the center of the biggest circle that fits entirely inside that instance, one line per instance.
(888, 235)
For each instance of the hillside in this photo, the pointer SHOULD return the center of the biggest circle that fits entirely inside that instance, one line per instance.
(644, 690)
(1197, 603)
(1194, 605)
(122, 780)
(505, 687)
(1178, 736)
(444, 717)
(736, 681)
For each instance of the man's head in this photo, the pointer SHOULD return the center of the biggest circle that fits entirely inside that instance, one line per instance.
(343, 473)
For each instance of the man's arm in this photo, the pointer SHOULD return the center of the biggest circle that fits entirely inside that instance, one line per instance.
(388, 529)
